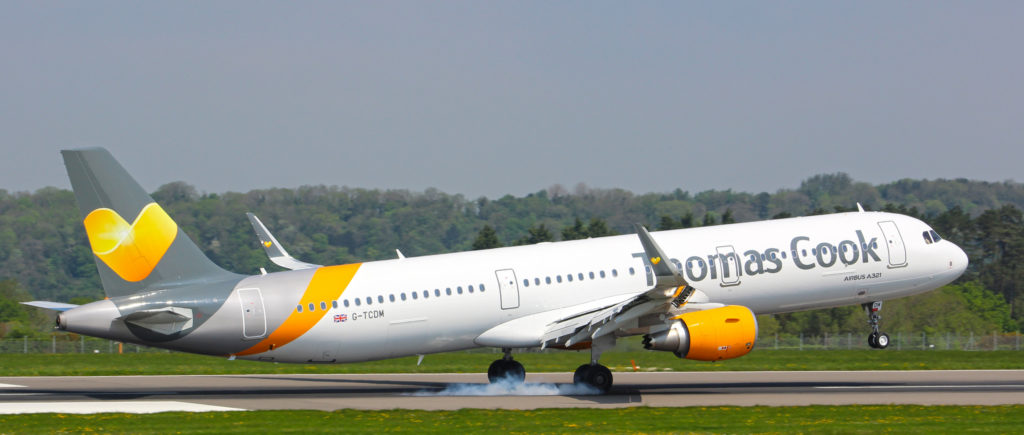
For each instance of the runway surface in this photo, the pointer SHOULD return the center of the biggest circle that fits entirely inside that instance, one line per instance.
(544, 390)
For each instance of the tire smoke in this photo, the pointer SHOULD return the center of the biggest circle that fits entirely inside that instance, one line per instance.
(509, 386)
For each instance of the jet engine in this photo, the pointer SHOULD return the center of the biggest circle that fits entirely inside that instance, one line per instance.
(709, 335)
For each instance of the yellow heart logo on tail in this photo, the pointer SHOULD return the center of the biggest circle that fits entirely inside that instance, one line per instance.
(131, 251)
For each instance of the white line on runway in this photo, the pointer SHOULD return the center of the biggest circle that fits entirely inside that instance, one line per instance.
(94, 407)
(882, 387)
(11, 386)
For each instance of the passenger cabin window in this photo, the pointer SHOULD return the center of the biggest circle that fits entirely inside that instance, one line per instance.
(426, 294)
(415, 295)
(580, 276)
(357, 302)
(558, 278)
(591, 275)
(437, 292)
(380, 299)
(482, 288)
(547, 280)
(391, 297)
(601, 273)
(323, 306)
(345, 303)
(569, 277)
(536, 281)
(448, 291)
(615, 273)
(632, 271)
(312, 307)
(299, 308)
(403, 296)
(334, 304)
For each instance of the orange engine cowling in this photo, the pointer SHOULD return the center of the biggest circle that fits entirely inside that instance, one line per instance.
(709, 335)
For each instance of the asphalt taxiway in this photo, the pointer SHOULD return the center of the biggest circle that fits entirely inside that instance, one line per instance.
(542, 390)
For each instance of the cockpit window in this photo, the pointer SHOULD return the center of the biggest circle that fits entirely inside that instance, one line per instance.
(927, 237)
(935, 236)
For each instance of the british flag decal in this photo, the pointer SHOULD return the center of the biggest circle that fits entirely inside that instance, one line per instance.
(338, 318)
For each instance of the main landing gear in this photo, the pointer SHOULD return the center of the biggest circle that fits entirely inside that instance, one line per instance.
(596, 375)
(877, 340)
(506, 368)
(593, 374)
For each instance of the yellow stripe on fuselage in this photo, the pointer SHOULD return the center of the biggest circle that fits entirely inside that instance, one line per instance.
(327, 285)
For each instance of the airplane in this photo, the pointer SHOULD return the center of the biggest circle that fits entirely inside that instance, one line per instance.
(693, 292)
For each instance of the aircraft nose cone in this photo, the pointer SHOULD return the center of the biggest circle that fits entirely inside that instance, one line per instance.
(958, 260)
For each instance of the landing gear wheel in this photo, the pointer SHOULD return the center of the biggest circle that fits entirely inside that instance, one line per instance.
(873, 340)
(882, 341)
(503, 369)
(581, 371)
(594, 375)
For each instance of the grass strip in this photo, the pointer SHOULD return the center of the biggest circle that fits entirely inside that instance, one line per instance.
(757, 419)
(476, 362)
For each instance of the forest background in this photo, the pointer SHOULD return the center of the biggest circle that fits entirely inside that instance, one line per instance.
(44, 253)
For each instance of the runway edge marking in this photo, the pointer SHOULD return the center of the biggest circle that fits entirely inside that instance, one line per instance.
(96, 407)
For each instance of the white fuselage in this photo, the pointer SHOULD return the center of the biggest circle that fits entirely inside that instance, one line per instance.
(447, 302)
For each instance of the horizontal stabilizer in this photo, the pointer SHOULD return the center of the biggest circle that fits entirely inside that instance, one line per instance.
(274, 250)
(164, 321)
(55, 306)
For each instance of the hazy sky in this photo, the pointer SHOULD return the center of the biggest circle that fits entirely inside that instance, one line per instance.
(489, 98)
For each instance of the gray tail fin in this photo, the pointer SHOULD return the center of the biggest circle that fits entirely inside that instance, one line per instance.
(137, 246)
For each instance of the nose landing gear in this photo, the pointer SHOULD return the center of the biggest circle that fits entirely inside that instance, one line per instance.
(877, 339)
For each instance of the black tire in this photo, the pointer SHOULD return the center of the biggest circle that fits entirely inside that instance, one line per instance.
(599, 377)
(515, 371)
(506, 369)
(873, 340)
(497, 370)
(882, 341)
(581, 373)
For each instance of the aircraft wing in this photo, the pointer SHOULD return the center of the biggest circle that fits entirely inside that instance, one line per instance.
(670, 292)
(274, 250)
(623, 315)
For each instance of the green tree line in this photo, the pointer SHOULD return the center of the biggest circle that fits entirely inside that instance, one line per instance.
(44, 253)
